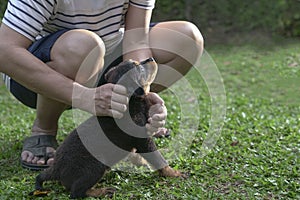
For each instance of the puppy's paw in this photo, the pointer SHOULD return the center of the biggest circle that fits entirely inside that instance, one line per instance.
(101, 192)
(169, 172)
(39, 193)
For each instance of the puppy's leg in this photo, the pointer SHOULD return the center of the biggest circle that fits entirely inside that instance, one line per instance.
(88, 179)
(46, 175)
(39, 180)
(137, 159)
(147, 149)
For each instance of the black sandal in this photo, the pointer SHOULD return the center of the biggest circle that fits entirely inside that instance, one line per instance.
(37, 145)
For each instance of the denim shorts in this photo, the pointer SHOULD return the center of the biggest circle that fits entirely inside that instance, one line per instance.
(41, 49)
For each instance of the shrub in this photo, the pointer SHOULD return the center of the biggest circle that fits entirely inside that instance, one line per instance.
(2, 8)
(275, 16)
(280, 16)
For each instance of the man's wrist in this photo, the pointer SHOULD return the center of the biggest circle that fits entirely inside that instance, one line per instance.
(83, 98)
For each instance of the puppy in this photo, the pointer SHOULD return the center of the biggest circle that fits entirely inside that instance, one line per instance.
(100, 142)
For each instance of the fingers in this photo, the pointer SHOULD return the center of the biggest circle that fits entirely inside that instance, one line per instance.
(111, 100)
(151, 129)
(117, 110)
(116, 114)
(157, 119)
(120, 107)
(158, 112)
(119, 89)
(155, 98)
(119, 101)
(153, 126)
(123, 99)
(157, 123)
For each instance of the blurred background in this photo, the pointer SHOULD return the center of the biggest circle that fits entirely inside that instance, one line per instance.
(224, 20)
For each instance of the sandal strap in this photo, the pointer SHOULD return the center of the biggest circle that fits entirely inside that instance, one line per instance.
(38, 144)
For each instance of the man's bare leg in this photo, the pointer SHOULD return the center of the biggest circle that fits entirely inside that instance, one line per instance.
(69, 55)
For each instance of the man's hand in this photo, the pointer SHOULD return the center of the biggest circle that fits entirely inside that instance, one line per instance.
(105, 100)
(157, 113)
(111, 100)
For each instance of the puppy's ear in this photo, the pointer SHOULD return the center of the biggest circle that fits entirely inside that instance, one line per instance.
(150, 67)
(149, 70)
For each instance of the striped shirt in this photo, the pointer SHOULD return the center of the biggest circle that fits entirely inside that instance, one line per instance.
(37, 18)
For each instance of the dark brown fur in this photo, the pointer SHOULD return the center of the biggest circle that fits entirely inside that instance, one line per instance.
(77, 169)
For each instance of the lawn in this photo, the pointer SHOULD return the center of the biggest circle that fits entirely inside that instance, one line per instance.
(256, 155)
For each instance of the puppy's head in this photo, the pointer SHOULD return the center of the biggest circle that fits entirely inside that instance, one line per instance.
(136, 77)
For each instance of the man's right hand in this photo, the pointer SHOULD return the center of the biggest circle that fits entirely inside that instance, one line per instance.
(106, 100)
(111, 100)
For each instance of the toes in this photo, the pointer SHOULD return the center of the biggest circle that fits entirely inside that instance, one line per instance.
(28, 157)
(41, 161)
(50, 161)
(25, 155)
(35, 159)
(50, 155)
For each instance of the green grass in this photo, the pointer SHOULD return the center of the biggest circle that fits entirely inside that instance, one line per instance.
(256, 155)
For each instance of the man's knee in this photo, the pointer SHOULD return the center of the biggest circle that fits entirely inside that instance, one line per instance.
(78, 54)
(177, 38)
(195, 50)
(193, 32)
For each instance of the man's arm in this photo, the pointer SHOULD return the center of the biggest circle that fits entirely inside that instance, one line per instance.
(136, 40)
(17, 62)
(136, 47)
(29, 71)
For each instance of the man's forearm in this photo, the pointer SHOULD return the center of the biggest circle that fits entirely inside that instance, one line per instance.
(136, 39)
(23, 67)
(17, 62)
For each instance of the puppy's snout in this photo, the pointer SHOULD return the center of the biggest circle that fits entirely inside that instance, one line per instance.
(139, 91)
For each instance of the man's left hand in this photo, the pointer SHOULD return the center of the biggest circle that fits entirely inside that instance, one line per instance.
(157, 113)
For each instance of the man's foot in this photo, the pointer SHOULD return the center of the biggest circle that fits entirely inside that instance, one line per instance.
(38, 151)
